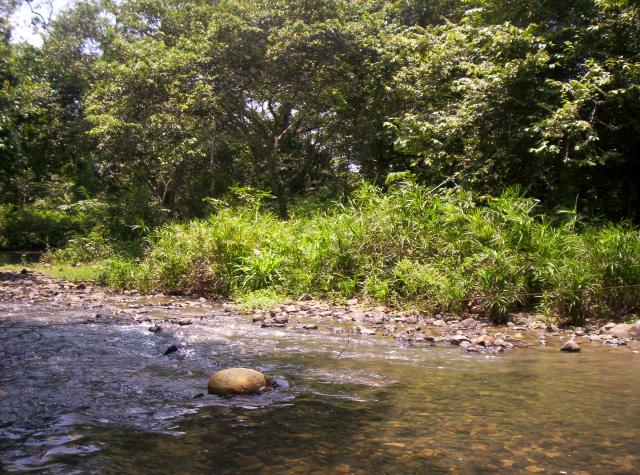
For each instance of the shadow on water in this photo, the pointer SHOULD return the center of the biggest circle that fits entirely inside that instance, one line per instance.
(100, 398)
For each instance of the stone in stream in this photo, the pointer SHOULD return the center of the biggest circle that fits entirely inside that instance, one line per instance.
(237, 381)
(484, 340)
(570, 347)
(171, 349)
(468, 323)
(622, 330)
(458, 339)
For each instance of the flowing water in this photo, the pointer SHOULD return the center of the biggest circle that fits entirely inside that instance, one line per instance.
(101, 398)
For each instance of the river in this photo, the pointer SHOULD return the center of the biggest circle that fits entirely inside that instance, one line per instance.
(81, 396)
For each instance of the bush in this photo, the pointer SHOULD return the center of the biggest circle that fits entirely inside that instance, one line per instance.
(451, 251)
(40, 226)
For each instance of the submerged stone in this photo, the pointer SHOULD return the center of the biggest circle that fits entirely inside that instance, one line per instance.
(237, 381)
(570, 347)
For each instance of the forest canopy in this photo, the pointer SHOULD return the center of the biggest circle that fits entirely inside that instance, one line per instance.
(136, 112)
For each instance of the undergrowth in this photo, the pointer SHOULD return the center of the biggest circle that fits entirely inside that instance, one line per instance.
(449, 251)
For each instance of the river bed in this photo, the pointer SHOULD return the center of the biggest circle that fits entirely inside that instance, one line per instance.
(78, 395)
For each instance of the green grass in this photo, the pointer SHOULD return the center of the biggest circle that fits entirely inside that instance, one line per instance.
(94, 272)
(452, 251)
(259, 300)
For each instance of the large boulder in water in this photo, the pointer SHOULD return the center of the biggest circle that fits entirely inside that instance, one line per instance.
(236, 381)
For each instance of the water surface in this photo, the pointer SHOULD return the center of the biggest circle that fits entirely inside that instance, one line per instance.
(101, 398)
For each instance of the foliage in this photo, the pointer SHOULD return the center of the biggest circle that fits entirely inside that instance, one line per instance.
(445, 251)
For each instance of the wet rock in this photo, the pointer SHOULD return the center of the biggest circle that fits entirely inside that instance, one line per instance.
(155, 329)
(236, 381)
(259, 317)
(281, 318)
(309, 326)
(468, 323)
(198, 396)
(338, 330)
(615, 341)
(570, 347)
(458, 339)
(502, 343)
(412, 319)
(24, 272)
(553, 328)
(620, 330)
(484, 340)
(465, 344)
(81, 286)
(358, 317)
(278, 382)
(171, 349)
(364, 331)
(439, 323)
(271, 324)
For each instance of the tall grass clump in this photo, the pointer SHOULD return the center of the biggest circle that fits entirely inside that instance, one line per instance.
(448, 251)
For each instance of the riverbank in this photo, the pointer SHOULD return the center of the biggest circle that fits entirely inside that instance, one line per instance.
(352, 318)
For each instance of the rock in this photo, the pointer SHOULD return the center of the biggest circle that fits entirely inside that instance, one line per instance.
(258, 318)
(364, 331)
(484, 340)
(458, 339)
(620, 331)
(236, 381)
(171, 349)
(352, 302)
(24, 272)
(503, 344)
(439, 323)
(468, 323)
(358, 317)
(282, 318)
(570, 347)
(607, 327)
(155, 329)
(305, 298)
(291, 309)
(309, 326)
(553, 328)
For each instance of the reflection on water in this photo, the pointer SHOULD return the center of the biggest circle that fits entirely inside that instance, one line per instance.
(100, 398)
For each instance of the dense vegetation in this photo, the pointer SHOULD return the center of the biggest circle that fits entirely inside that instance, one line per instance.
(451, 252)
(144, 121)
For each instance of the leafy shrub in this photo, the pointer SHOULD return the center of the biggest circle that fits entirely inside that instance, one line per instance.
(449, 251)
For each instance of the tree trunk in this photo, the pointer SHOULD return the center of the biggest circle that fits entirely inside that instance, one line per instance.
(277, 187)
